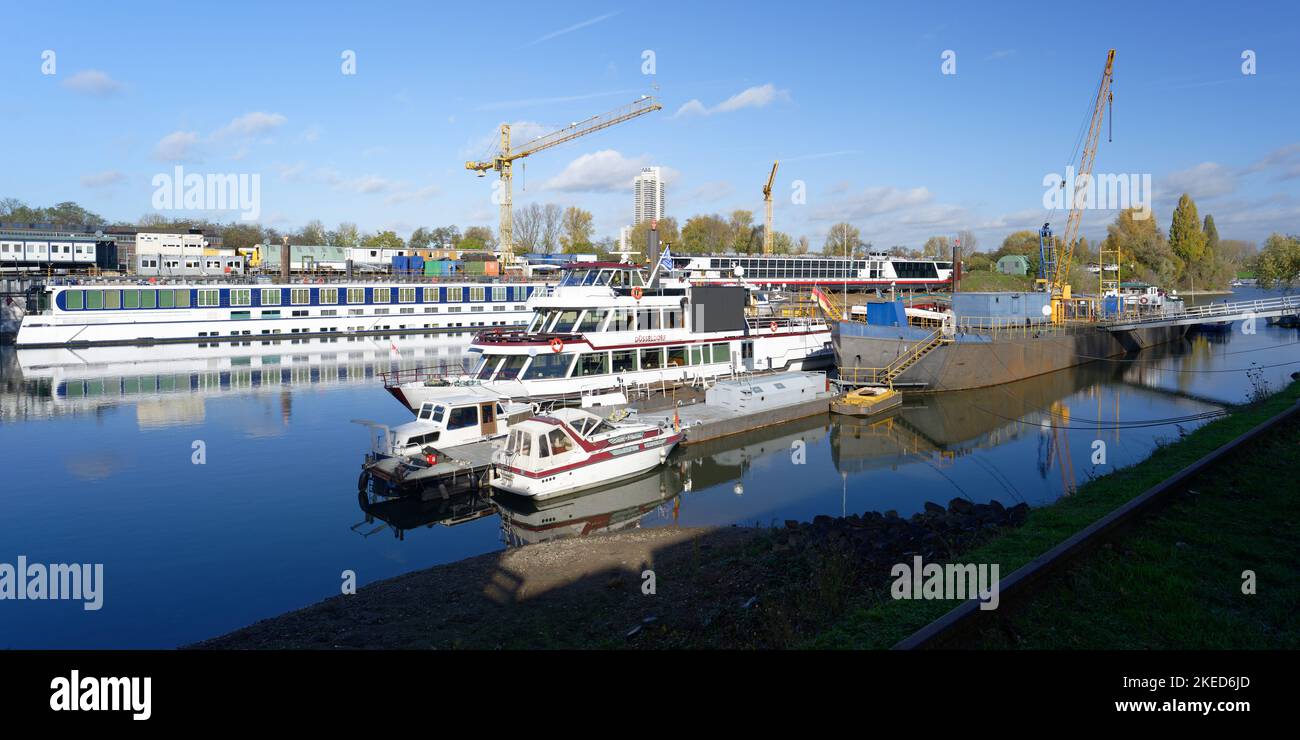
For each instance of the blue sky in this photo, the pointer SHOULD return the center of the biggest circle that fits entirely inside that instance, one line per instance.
(849, 96)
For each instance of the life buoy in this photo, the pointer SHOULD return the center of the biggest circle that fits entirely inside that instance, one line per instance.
(1143, 300)
(557, 344)
(772, 326)
(637, 293)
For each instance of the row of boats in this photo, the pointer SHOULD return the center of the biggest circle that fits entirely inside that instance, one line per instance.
(544, 410)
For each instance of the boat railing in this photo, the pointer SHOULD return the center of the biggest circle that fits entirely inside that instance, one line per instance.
(446, 373)
(1004, 327)
(782, 322)
(323, 278)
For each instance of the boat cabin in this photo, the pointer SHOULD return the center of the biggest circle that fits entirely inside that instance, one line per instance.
(454, 421)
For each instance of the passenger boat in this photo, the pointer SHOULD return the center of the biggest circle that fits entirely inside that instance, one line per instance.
(147, 312)
(570, 450)
(878, 270)
(608, 326)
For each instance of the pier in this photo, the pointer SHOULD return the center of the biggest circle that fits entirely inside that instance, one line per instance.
(1212, 312)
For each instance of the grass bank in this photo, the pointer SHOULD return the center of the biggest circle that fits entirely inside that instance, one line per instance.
(1239, 493)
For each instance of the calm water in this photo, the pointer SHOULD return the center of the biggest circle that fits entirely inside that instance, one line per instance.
(97, 466)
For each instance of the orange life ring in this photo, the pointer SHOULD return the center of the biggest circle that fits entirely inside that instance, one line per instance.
(557, 344)
(637, 293)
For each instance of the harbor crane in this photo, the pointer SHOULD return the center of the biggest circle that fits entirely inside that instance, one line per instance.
(505, 159)
(1057, 256)
(767, 209)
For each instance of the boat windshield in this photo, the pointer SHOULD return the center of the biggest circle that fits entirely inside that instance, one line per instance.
(593, 426)
(511, 367)
(551, 365)
(488, 366)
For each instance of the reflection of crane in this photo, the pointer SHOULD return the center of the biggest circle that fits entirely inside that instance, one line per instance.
(1057, 257)
(767, 210)
(503, 161)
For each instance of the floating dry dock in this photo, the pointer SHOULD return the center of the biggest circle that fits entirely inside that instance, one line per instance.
(749, 403)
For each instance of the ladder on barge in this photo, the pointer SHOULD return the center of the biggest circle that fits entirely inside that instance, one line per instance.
(885, 376)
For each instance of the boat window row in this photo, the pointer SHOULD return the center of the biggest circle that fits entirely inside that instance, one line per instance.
(592, 320)
(130, 298)
(584, 364)
(614, 277)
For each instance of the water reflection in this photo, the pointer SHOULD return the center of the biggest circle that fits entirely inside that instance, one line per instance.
(525, 521)
(169, 383)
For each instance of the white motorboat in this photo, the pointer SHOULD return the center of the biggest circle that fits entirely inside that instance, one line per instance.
(570, 450)
(468, 417)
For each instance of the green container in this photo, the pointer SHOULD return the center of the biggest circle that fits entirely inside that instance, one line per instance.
(433, 267)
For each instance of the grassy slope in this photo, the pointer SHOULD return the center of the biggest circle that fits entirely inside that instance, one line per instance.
(1175, 582)
(976, 282)
(888, 621)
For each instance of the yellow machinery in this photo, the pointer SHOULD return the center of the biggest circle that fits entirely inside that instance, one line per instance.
(1057, 261)
(503, 161)
(767, 209)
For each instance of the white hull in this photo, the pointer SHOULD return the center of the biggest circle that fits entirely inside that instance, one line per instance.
(580, 475)
(182, 326)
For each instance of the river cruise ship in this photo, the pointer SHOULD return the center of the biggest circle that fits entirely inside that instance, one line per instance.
(131, 313)
(875, 271)
(608, 327)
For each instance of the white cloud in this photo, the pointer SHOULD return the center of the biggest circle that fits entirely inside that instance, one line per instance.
(252, 124)
(102, 179)
(422, 194)
(1000, 54)
(368, 184)
(1285, 160)
(605, 171)
(93, 82)
(1205, 180)
(176, 146)
(874, 201)
(312, 133)
(759, 96)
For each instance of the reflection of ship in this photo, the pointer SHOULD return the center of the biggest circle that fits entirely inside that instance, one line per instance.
(41, 382)
(725, 459)
(526, 520)
(402, 514)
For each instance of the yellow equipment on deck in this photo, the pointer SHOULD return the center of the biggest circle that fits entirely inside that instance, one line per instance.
(867, 402)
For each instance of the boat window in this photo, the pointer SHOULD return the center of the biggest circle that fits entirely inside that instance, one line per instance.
(426, 411)
(567, 320)
(652, 358)
(74, 299)
(593, 363)
(673, 318)
(512, 442)
(647, 318)
(624, 320)
(463, 417)
(721, 352)
(574, 277)
(540, 319)
(439, 412)
(590, 277)
(549, 365)
(543, 449)
(511, 367)
(624, 361)
(488, 367)
(676, 356)
(592, 320)
(699, 355)
(94, 299)
(560, 442)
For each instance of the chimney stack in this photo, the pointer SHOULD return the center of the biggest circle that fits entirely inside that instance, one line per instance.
(284, 259)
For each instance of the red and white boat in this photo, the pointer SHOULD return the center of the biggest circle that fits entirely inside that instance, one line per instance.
(570, 450)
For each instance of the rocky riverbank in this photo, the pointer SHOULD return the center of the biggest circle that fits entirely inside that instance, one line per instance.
(662, 587)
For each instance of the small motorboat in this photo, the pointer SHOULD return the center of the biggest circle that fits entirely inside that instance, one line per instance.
(569, 450)
(867, 402)
(450, 422)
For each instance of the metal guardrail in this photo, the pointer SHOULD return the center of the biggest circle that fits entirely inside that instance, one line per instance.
(1208, 312)
(888, 374)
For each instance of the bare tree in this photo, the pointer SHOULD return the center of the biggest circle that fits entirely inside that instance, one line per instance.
(552, 218)
(528, 226)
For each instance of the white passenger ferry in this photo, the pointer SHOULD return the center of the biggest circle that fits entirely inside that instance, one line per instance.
(877, 270)
(608, 326)
(125, 313)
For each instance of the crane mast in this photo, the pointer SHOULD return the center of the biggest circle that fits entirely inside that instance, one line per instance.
(1057, 260)
(767, 209)
(503, 162)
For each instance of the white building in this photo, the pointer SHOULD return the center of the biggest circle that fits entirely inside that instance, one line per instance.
(648, 190)
(170, 244)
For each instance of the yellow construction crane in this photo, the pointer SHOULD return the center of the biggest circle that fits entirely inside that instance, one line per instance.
(503, 161)
(767, 209)
(1058, 261)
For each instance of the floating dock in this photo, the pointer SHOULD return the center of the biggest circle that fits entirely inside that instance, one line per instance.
(745, 404)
